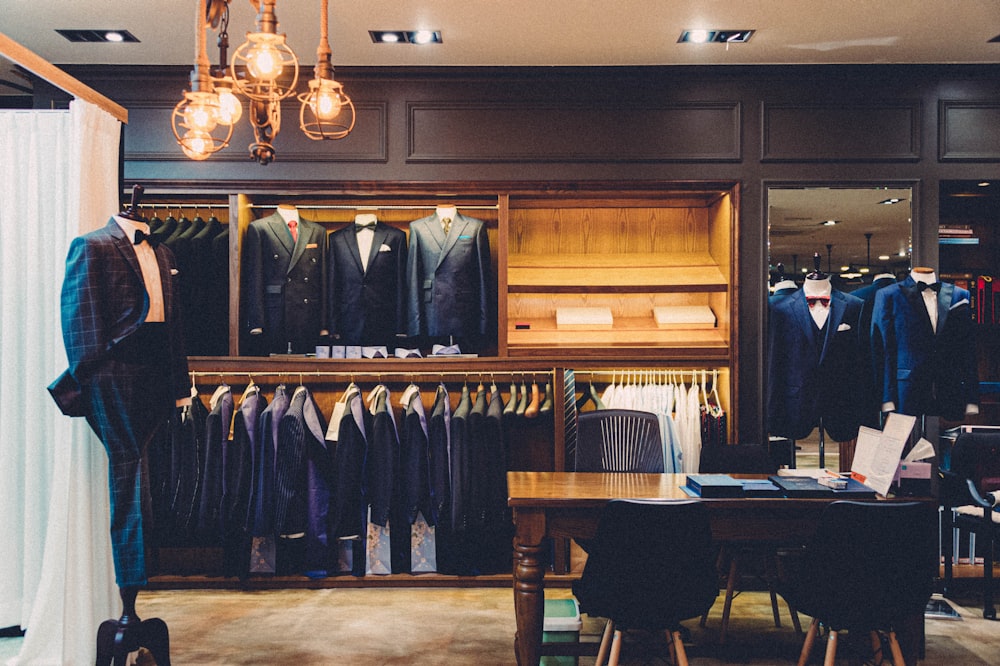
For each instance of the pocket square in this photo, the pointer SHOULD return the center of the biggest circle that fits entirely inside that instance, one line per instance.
(843, 327)
(174, 271)
(962, 302)
(384, 248)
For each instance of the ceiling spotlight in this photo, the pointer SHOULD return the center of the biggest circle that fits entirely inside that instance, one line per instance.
(701, 36)
(829, 223)
(883, 257)
(99, 36)
(889, 202)
(985, 183)
(406, 36)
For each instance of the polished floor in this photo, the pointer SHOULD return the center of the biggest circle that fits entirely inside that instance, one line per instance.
(475, 627)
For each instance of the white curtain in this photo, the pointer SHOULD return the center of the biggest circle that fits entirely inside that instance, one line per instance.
(58, 179)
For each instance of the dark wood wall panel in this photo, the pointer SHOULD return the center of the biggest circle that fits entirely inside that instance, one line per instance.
(366, 143)
(457, 132)
(826, 133)
(969, 131)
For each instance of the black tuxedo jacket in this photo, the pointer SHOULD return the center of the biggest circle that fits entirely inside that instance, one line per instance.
(284, 284)
(923, 371)
(815, 373)
(367, 307)
(448, 278)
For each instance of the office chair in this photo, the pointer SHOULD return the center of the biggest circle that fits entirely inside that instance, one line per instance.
(618, 440)
(868, 567)
(733, 558)
(970, 497)
(650, 567)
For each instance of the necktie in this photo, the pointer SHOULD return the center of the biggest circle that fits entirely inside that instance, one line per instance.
(923, 286)
(358, 226)
(140, 236)
(813, 300)
(446, 222)
(293, 226)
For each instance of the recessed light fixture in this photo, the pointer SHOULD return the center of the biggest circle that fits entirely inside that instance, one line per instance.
(985, 183)
(99, 36)
(829, 223)
(889, 202)
(883, 257)
(406, 36)
(700, 36)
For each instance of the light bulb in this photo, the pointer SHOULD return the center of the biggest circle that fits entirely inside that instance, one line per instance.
(325, 99)
(201, 112)
(230, 107)
(197, 144)
(264, 62)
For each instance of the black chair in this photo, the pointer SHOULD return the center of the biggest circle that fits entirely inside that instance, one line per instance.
(869, 568)
(969, 498)
(735, 559)
(650, 567)
(618, 440)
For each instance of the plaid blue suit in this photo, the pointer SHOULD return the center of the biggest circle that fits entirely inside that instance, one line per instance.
(129, 373)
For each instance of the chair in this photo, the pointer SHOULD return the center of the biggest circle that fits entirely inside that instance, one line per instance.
(969, 496)
(733, 558)
(618, 440)
(869, 567)
(651, 566)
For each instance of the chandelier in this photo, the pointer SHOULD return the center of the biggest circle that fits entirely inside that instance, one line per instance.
(264, 70)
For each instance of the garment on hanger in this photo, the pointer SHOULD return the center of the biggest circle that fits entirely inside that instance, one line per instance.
(217, 428)
(237, 482)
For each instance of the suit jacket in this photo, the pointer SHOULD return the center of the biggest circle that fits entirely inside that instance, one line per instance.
(284, 285)
(922, 371)
(263, 494)
(872, 415)
(237, 482)
(814, 373)
(448, 278)
(100, 264)
(367, 307)
(217, 427)
(414, 469)
(347, 506)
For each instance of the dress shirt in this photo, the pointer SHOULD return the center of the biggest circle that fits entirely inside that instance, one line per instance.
(929, 296)
(820, 311)
(365, 236)
(146, 255)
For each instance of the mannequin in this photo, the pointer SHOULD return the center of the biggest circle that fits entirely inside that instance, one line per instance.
(923, 347)
(818, 286)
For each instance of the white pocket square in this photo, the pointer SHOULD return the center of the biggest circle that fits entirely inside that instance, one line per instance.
(843, 327)
(964, 301)
(174, 271)
(385, 248)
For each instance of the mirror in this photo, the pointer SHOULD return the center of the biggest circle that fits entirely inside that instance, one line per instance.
(858, 232)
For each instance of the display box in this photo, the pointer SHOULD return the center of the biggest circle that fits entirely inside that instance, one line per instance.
(684, 316)
(913, 478)
(584, 318)
(562, 624)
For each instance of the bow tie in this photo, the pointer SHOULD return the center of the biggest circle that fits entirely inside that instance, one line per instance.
(141, 236)
(358, 226)
(923, 286)
(813, 300)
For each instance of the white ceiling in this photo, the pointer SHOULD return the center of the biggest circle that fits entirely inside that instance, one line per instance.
(537, 32)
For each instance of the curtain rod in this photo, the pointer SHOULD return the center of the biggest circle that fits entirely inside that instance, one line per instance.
(376, 207)
(344, 374)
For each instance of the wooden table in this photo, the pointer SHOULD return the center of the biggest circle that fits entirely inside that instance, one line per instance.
(568, 504)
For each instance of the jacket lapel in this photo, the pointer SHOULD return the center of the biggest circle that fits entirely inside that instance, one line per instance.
(458, 225)
(944, 299)
(378, 238)
(833, 320)
(916, 301)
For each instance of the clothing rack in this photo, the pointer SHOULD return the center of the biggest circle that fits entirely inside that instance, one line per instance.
(377, 207)
(394, 376)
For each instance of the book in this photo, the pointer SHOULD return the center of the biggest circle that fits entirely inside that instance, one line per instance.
(854, 490)
(802, 486)
(761, 488)
(714, 485)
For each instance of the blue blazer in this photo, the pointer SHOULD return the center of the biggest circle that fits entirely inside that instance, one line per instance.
(814, 373)
(922, 371)
(448, 278)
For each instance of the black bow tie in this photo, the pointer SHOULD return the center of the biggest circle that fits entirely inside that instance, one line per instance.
(142, 236)
(923, 286)
(358, 226)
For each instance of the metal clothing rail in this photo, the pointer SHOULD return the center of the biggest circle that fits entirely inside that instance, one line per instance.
(377, 207)
(400, 376)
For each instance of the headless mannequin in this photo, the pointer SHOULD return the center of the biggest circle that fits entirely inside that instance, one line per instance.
(288, 213)
(925, 275)
(446, 213)
(818, 286)
(785, 284)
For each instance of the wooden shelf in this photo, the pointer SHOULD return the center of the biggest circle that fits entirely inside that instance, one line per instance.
(626, 333)
(586, 273)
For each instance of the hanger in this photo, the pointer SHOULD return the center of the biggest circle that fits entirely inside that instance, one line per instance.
(531, 411)
(547, 403)
(512, 403)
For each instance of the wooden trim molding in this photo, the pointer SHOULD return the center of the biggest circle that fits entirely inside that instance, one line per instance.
(967, 131)
(41, 67)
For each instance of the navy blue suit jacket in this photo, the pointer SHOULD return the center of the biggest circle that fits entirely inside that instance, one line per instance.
(367, 307)
(922, 371)
(814, 373)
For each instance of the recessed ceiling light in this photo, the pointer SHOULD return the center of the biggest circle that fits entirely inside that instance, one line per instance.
(883, 257)
(406, 36)
(700, 36)
(99, 36)
(889, 202)
(829, 223)
(985, 183)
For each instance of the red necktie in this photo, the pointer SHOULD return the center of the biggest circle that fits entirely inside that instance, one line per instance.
(813, 300)
(293, 226)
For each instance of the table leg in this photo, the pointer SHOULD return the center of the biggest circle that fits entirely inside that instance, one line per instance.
(529, 600)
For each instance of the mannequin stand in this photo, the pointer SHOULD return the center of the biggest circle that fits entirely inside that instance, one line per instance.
(117, 638)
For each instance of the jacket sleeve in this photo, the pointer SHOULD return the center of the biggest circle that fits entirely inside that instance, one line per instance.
(83, 321)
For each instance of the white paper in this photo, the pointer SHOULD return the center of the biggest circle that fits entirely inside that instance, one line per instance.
(923, 450)
(877, 454)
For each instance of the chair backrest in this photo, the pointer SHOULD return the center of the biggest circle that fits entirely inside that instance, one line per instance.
(618, 440)
(651, 565)
(736, 459)
(869, 563)
(976, 455)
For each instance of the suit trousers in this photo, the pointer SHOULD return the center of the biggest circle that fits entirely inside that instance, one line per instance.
(129, 402)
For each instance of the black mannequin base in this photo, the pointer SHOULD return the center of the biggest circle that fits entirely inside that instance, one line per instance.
(117, 638)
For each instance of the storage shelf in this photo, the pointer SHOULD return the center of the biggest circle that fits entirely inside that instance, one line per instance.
(626, 333)
(587, 273)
